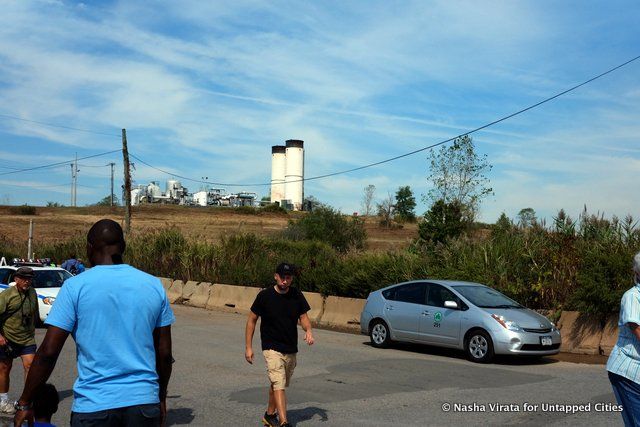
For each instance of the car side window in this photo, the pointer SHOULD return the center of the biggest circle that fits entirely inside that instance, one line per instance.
(4, 275)
(439, 294)
(412, 293)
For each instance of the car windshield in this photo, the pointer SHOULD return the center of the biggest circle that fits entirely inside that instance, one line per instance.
(484, 297)
(49, 278)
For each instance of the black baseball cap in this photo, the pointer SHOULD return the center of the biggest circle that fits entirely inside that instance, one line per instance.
(285, 269)
(25, 272)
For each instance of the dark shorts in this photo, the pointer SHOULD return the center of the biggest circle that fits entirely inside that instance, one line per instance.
(14, 350)
(130, 416)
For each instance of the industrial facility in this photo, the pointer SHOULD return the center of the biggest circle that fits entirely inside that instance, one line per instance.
(287, 185)
(287, 174)
(176, 194)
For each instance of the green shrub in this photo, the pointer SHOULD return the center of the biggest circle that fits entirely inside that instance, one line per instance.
(274, 208)
(23, 210)
(328, 225)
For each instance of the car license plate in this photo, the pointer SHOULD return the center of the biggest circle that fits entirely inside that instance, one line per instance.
(545, 340)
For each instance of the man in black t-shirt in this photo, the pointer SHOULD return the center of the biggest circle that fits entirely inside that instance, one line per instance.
(280, 307)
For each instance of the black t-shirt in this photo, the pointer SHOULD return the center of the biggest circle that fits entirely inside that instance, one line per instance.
(280, 314)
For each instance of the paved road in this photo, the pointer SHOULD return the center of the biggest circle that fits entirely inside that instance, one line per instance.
(343, 381)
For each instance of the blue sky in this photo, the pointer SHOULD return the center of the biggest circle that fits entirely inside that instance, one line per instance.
(206, 88)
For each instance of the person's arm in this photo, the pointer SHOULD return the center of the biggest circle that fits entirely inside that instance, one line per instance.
(164, 360)
(41, 368)
(306, 325)
(634, 328)
(252, 319)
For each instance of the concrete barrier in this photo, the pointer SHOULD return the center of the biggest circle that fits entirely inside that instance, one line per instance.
(166, 283)
(174, 293)
(316, 302)
(237, 298)
(343, 312)
(188, 289)
(580, 333)
(199, 296)
(609, 335)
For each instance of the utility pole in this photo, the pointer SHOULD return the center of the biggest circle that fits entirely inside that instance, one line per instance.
(112, 166)
(74, 181)
(30, 247)
(127, 184)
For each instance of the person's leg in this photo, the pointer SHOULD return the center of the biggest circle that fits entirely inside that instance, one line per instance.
(6, 407)
(27, 360)
(271, 407)
(281, 404)
(627, 394)
(5, 370)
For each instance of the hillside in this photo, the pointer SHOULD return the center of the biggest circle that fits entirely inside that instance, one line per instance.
(210, 224)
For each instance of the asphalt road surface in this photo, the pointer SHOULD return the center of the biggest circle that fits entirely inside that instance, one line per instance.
(343, 381)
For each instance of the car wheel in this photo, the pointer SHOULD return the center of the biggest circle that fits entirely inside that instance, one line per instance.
(479, 347)
(379, 334)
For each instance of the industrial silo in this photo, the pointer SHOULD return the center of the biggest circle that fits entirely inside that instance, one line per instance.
(294, 173)
(278, 165)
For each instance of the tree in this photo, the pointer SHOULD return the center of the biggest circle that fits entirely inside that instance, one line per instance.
(367, 199)
(54, 204)
(458, 175)
(386, 211)
(405, 205)
(106, 201)
(442, 222)
(527, 217)
(503, 225)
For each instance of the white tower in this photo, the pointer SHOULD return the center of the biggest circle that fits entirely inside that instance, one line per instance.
(294, 173)
(278, 164)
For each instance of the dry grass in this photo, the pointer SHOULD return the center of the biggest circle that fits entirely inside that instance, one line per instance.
(210, 224)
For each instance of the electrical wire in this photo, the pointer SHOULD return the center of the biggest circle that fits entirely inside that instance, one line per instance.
(6, 116)
(472, 131)
(59, 163)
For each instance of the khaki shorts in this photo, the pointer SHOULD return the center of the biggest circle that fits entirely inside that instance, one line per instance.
(279, 367)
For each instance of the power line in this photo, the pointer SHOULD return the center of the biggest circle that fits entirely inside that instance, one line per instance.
(59, 163)
(45, 186)
(502, 119)
(6, 116)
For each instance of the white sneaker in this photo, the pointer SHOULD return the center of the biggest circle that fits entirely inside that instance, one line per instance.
(6, 407)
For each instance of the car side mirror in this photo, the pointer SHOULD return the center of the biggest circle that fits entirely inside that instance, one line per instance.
(451, 304)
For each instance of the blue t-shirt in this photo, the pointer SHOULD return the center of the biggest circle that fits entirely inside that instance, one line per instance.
(111, 312)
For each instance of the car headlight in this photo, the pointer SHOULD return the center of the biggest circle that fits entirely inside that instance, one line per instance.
(49, 300)
(507, 324)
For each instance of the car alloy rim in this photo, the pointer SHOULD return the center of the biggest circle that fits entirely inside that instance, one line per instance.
(478, 346)
(379, 334)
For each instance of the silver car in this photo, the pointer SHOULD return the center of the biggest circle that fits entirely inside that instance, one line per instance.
(464, 315)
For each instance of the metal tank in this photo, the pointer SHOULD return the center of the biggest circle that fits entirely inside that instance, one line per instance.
(153, 191)
(278, 164)
(294, 173)
(173, 188)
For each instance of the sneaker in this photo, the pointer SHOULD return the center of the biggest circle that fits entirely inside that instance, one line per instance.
(6, 407)
(270, 420)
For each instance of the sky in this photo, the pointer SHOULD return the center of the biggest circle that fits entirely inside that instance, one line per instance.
(204, 89)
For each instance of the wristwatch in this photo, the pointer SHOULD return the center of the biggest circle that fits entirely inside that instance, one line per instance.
(19, 407)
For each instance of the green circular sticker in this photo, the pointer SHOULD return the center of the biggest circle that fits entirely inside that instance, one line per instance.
(437, 317)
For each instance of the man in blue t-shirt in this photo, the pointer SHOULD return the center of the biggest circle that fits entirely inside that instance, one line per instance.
(120, 319)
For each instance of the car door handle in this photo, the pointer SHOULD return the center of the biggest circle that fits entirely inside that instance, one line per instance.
(425, 313)
(389, 307)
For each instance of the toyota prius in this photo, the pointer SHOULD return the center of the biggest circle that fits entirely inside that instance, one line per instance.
(463, 315)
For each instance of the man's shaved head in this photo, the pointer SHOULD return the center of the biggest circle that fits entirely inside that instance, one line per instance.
(105, 237)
